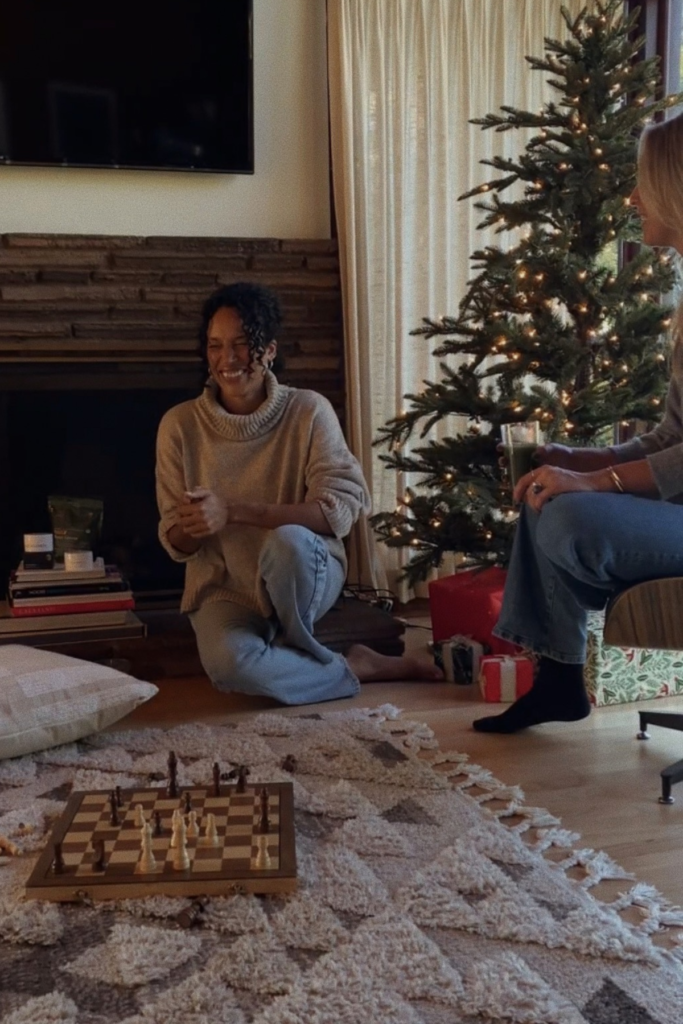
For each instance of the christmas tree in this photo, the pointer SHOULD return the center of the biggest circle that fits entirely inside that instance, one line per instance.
(549, 329)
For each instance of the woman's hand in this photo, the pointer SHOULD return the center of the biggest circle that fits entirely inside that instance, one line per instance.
(202, 513)
(546, 482)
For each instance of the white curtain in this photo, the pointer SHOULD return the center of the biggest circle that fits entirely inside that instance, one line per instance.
(405, 78)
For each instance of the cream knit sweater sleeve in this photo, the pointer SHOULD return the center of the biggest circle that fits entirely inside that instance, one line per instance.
(333, 475)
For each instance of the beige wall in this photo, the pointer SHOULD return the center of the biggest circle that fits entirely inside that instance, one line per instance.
(287, 197)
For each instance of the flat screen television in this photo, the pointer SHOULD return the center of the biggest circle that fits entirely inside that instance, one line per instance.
(149, 84)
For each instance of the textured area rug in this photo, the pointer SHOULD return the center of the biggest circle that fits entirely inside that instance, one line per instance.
(429, 893)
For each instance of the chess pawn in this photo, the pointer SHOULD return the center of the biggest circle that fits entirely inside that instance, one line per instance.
(181, 861)
(147, 863)
(139, 816)
(210, 831)
(192, 829)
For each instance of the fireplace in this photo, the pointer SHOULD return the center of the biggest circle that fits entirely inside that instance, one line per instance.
(83, 437)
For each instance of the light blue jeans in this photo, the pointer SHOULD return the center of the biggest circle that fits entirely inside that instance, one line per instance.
(573, 555)
(279, 657)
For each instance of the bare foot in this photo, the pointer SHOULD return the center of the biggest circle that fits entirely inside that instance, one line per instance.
(372, 667)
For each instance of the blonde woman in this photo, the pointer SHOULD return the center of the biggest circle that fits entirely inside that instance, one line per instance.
(596, 520)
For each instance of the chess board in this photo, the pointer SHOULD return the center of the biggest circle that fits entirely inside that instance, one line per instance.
(230, 866)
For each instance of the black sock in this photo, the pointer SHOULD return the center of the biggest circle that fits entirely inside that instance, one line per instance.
(558, 695)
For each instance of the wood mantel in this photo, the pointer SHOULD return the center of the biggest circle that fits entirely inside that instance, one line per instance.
(99, 302)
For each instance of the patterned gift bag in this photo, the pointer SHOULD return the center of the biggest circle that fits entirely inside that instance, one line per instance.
(618, 675)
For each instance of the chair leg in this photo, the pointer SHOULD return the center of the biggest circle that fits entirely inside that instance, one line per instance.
(665, 719)
(674, 773)
(670, 775)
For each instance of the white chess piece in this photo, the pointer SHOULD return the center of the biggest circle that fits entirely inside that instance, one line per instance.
(139, 816)
(192, 829)
(175, 818)
(262, 859)
(210, 831)
(181, 861)
(147, 863)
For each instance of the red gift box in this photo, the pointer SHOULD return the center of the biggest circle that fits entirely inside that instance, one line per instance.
(504, 677)
(469, 603)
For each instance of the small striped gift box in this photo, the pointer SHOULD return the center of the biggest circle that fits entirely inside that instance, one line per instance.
(505, 677)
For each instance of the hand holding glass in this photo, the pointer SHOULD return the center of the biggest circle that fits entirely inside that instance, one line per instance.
(520, 441)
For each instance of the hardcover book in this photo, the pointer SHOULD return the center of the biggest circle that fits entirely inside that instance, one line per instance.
(86, 606)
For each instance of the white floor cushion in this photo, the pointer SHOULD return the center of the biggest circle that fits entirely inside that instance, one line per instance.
(47, 699)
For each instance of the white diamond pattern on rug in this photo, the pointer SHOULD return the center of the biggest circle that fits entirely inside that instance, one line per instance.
(199, 1000)
(416, 905)
(304, 923)
(349, 1001)
(399, 957)
(505, 988)
(39, 924)
(258, 963)
(346, 883)
(340, 800)
(133, 956)
(375, 837)
(53, 1008)
(236, 915)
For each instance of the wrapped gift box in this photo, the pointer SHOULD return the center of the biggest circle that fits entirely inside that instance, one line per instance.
(505, 678)
(468, 603)
(459, 657)
(617, 675)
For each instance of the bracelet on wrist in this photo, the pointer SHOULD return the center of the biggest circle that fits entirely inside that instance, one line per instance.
(615, 478)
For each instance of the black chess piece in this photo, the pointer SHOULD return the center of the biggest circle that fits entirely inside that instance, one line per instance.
(242, 773)
(192, 915)
(216, 779)
(114, 817)
(188, 802)
(119, 798)
(58, 860)
(172, 790)
(264, 823)
(158, 830)
(98, 847)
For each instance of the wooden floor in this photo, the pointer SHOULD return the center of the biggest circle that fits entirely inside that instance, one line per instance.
(594, 774)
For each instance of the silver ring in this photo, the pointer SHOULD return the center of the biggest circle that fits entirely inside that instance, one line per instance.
(537, 488)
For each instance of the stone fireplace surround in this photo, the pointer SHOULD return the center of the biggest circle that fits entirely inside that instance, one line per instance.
(99, 333)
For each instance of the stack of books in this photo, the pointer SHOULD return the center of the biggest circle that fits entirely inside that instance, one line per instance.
(56, 601)
(38, 592)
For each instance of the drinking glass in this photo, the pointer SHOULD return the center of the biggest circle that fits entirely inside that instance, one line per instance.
(520, 441)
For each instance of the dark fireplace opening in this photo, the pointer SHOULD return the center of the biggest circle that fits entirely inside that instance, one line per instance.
(97, 443)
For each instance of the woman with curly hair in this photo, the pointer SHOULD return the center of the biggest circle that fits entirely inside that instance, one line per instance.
(257, 489)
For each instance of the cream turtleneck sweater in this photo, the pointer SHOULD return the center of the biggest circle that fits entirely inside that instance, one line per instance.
(290, 450)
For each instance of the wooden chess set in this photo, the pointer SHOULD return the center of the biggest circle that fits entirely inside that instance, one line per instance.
(209, 841)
